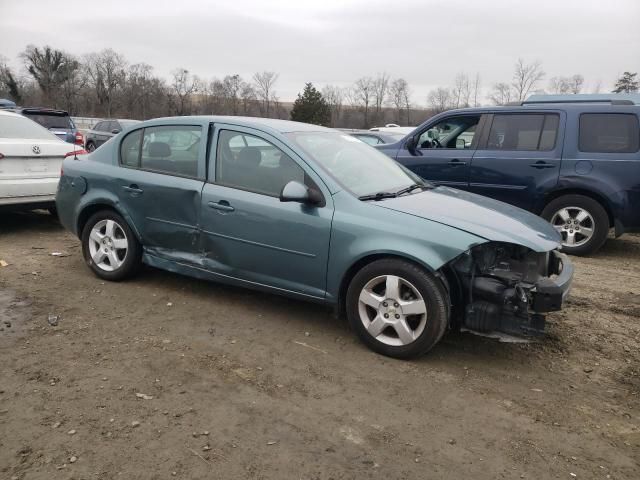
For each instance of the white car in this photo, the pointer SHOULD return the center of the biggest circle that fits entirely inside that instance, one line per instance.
(30, 162)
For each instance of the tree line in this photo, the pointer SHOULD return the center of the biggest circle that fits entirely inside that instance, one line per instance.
(105, 84)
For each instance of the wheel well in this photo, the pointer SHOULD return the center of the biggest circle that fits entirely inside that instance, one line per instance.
(587, 193)
(357, 266)
(88, 211)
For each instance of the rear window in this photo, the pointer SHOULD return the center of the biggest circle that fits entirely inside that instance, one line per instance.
(49, 121)
(20, 127)
(523, 132)
(609, 133)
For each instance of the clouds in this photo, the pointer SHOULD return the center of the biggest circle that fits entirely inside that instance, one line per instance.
(336, 41)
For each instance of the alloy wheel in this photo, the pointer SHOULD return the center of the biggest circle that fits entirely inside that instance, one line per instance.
(392, 310)
(575, 224)
(108, 245)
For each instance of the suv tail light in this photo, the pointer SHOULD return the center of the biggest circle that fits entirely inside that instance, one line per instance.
(79, 139)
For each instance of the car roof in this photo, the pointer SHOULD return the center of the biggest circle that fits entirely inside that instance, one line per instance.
(9, 113)
(275, 125)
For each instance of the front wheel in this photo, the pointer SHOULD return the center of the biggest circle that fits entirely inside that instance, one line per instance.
(397, 308)
(582, 222)
(110, 247)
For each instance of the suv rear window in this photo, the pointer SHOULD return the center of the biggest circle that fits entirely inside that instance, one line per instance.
(48, 120)
(609, 133)
(523, 132)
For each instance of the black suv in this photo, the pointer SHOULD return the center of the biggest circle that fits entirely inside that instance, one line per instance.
(104, 130)
(573, 159)
(57, 122)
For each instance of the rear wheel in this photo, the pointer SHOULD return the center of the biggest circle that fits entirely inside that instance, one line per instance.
(397, 308)
(582, 222)
(110, 247)
(91, 146)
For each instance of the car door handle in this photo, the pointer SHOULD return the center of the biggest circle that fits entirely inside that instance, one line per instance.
(456, 162)
(542, 165)
(222, 205)
(133, 189)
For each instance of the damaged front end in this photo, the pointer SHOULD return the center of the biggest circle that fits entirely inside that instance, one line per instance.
(503, 287)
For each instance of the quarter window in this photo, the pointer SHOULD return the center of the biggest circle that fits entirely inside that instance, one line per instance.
(609, 133)
(250, 163)
(130, 149)
(523, 132)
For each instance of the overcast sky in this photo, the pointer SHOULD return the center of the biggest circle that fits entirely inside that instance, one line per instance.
(336, 41)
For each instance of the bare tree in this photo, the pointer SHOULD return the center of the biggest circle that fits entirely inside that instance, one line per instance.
(248, 97)
(380, 88)
(440, 100)
(476, 91)
(501, 94)
(183, 85)
(526, 78)
(50, 68)
(9, 82)
(558, 85)
(106, 71)
(232, 85)
(362, 95)
(264, 86)
(575, 83)
(334, 96)
(461, 91)
(400, 97)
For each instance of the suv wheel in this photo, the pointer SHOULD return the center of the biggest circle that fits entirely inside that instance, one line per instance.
(91, 147)
(582, 222)
(397, 309)
(110, 247)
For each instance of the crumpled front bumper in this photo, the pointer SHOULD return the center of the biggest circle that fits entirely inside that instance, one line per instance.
(550, 293)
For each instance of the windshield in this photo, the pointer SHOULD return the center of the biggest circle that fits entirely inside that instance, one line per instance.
(50, 120)
(15, 126)
(355, 165)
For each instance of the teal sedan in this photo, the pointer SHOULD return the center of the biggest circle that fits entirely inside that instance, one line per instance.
(308, 212)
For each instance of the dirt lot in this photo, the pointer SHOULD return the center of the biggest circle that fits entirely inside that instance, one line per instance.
(248, 385)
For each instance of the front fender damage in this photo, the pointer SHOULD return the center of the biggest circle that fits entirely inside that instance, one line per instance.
(507, 288)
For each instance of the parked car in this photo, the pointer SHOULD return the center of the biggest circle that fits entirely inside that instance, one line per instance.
(308, 212)
(373, 138)
(30, 161)
(105, 130)
(57, 122)
(574, 160)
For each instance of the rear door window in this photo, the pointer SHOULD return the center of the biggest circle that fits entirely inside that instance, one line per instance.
(609, 133)
(171, 149)
(523, 132)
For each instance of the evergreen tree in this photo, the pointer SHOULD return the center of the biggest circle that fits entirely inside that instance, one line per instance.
(311, 107)
(627, 83)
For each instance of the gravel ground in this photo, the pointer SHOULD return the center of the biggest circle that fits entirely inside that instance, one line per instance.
(170, 377)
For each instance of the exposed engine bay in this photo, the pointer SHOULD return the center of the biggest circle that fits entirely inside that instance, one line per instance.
(502, 287)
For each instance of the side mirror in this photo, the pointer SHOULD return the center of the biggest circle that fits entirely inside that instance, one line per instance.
(115, 131)
(411, 144)
(461, 143)
(297, 192)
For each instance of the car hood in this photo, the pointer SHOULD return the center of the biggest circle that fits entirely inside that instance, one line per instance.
(478, 215)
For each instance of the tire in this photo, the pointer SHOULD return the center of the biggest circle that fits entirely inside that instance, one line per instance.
(104, 250)
(590, 216)
(53, 211)
(91, 147)
(388, 336)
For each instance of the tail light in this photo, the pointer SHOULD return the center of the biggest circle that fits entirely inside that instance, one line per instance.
(1, 156)
(76, 152)
(79, 139)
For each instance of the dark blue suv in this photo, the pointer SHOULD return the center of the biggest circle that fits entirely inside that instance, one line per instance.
(572, 159)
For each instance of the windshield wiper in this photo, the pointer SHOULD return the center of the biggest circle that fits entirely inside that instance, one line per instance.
(410, 188)
(378, 196)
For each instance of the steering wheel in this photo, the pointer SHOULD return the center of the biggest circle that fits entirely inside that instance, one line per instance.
(436, 142)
